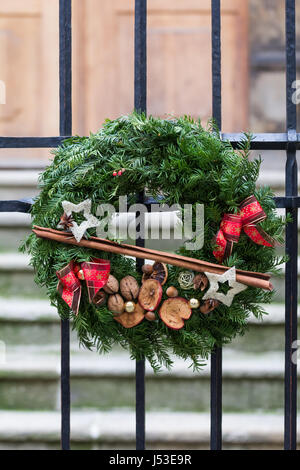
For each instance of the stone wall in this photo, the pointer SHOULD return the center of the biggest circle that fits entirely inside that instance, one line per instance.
(267, 64)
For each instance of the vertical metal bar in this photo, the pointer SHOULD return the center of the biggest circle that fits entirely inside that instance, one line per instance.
(65, 128)
(65, 67)
(140, 56)
(216, 61)
(291, 274)
(216, 357)
(140, 105)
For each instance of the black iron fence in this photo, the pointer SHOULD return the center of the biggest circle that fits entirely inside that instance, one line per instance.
(289, 141)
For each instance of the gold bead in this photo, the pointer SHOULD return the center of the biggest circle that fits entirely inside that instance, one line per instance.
(194, 303)
(129, 307)
(80, 275)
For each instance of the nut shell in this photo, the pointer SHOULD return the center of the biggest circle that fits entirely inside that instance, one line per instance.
(100, 298)
(147, 268)
(150, 316)
(116, 304)
(129, 288)
(172, 291)
(112, 285)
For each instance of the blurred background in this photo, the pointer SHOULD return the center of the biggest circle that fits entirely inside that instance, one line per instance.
(179, 82)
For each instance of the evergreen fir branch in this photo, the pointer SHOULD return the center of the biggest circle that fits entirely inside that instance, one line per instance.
(180, 160)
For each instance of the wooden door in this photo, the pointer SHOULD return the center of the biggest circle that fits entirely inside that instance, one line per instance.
(179, 64)
(29, 67)
(179, 60)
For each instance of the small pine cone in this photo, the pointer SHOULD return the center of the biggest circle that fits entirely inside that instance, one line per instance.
(200, 282)
(209, 305)
(66, 221)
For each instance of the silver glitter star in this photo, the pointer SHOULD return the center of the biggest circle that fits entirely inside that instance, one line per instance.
(215, 279)
(89, 222)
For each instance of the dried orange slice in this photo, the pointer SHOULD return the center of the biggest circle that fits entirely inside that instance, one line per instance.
(159, 273)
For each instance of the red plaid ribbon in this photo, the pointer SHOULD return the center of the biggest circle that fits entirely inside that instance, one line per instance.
(95, 273)
(250, 214)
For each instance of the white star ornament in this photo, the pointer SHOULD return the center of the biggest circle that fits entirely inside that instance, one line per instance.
(216, 279)
(90, 220)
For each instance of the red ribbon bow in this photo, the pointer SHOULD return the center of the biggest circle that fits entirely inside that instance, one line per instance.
(231, 226)
(95, 275)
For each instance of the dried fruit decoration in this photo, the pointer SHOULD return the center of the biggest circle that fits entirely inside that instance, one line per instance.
(129, 320)
(174, 311)
(159, 272)
(150, 295)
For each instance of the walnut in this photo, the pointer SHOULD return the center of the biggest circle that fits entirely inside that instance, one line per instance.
(129, 288)
(112, 285)
(116, 304)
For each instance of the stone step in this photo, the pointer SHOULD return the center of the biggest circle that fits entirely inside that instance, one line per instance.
(30, 380)
(17, 184)
(29, 322)
(34, 322)
(115, 429)
(14, 227)
(266, 335)
(16, 271)
(17, 277)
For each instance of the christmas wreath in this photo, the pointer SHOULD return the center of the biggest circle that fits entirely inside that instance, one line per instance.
(181, 304)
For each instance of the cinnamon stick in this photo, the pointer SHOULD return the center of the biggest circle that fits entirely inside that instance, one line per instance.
(259, 280)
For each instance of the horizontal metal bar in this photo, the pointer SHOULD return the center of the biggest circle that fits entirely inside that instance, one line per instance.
(287, 202)
(22, 205)
(267, 141)
(270, 60)
(31, 142)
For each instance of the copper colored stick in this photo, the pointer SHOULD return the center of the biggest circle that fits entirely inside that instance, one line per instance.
(259, 280)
